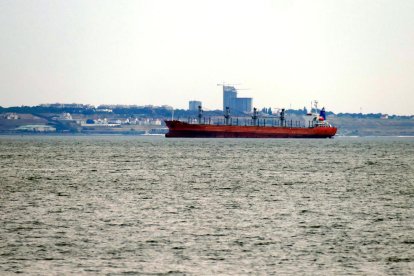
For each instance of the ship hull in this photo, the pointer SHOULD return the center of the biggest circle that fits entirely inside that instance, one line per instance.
(180, 129)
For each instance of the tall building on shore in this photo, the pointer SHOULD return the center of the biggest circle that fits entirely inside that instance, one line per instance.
(229, 97)
(231, 100)
(244, 105)
(193, 105)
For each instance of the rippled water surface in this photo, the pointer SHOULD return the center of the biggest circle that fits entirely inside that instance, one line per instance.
(120, 205)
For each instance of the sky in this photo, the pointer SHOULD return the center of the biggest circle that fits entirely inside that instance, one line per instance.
(351, 56)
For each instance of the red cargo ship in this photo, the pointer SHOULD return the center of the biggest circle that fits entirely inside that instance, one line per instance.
(317, 127)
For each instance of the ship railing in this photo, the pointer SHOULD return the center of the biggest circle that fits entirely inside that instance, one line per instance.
(244, 121)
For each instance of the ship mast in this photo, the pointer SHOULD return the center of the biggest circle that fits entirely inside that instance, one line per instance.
(254, 117)
(282, 117)
(200, 114)
(227, 115)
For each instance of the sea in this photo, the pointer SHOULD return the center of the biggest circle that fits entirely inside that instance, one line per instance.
(115, 205)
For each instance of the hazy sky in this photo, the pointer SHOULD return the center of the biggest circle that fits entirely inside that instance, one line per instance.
(349, 55)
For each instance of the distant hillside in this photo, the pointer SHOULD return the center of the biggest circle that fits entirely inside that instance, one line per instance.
(373, 127)
(349, 124)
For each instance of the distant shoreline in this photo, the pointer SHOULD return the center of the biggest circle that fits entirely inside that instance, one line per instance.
(162, 135)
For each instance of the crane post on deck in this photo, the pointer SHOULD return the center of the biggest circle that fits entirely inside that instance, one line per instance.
(200, 114)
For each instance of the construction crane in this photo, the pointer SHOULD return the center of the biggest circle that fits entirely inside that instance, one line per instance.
(232, 85)
(227, 84)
